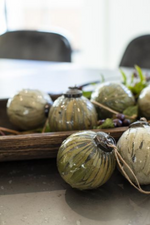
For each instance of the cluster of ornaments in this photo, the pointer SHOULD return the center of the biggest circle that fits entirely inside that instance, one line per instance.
(85, 159)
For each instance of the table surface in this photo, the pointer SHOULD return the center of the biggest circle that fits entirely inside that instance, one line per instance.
(32, 192)
(52, 78)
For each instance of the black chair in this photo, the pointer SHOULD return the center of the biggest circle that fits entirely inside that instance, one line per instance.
(137, 53)
(35, 45)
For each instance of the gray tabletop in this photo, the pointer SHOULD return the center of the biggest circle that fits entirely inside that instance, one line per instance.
(32, 192)
(49, 77)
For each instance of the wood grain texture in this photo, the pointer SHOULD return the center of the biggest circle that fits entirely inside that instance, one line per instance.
(38, 145)
(34, 146)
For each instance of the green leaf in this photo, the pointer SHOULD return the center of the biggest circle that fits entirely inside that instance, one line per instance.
(93, 83)
(137, 88)
(87, 94)
(40, 130)
(131, 111)
(140, 73)
(137, 84)
(108, 123)
(124, 77)
(102, 78)
(47, 129)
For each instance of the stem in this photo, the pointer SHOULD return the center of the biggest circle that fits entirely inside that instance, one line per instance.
(111, 110)
(9, 130)
(2, 133)
(23, 132)
(15, 132)
(104, 107)
(45, 125)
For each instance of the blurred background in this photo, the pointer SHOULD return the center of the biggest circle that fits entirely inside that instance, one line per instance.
(99, 30)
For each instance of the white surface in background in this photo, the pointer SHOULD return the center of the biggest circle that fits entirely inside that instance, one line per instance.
(49, 77)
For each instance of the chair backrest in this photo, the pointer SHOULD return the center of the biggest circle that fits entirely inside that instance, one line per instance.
(137, 53)
(35, 45)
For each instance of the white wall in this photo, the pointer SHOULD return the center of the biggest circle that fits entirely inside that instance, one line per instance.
(128, 19)
(2, 17)
(93, 34)
(108, 26)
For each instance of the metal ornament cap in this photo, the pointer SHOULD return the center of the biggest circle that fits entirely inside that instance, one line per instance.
(73, 92)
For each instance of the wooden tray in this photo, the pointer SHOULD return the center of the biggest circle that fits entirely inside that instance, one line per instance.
(34, 146)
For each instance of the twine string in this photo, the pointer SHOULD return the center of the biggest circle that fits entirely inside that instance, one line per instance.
(120, 159)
